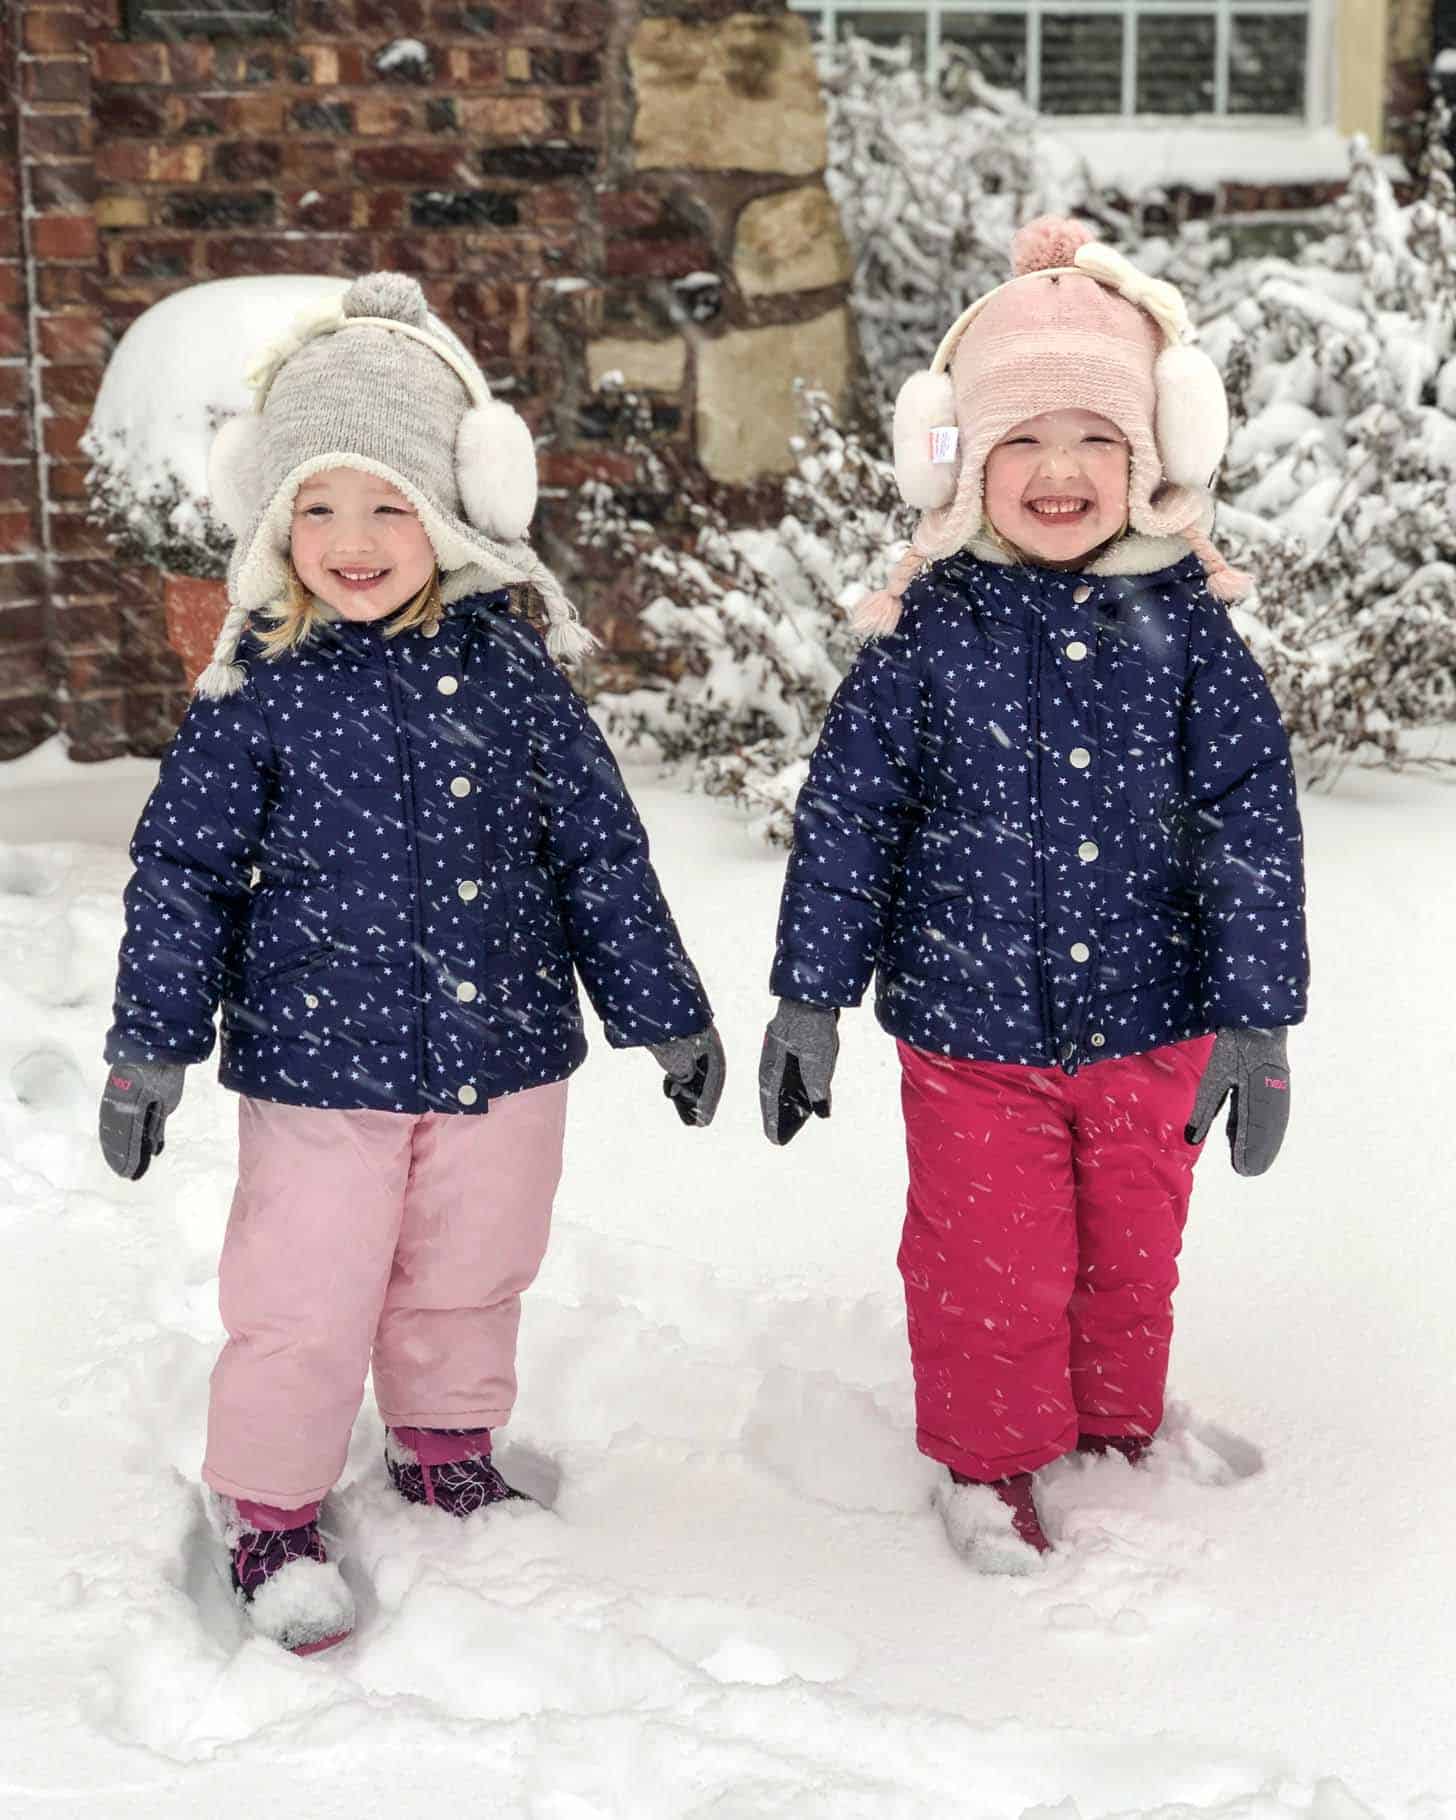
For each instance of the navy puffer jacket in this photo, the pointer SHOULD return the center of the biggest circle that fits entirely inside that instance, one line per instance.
(383, 857)
(1057, 813)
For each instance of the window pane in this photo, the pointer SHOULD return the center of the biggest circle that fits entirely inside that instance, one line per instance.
(1081, 64)
(1266, 65)
(996, 43)
(887, 28)
(1175, 65)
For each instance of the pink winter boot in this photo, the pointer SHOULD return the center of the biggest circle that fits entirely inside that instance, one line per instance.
(994, 1524)
(1133, 1448)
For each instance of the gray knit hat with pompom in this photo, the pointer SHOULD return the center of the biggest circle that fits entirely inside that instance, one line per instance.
(375, 382)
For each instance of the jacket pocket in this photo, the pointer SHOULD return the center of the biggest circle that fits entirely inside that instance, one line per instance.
(534, 932)
(291, 966)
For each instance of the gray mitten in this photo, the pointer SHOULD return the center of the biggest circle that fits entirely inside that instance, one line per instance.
(1252, 1066)
(695, 1067)
(134, 1109)
(800, 1048)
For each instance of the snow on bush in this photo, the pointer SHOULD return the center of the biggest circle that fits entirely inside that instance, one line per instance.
(753, 623)
(931, 184)
(1342, 469)
(175, 375)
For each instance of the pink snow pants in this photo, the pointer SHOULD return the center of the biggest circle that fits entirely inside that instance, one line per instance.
(1043, 1225)
(407, 1237)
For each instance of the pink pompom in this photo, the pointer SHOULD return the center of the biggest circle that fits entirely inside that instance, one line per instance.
(1050, 240)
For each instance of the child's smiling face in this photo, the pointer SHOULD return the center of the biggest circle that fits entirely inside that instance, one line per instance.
(1056, 485)
(358, 544)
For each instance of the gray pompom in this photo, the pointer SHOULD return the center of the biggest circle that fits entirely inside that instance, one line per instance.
(389, 294)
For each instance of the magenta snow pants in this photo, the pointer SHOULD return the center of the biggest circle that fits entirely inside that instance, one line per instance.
(1043, 1225)
(404, 1237)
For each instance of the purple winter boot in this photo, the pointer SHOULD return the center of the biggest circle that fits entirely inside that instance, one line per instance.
(282, 1576)
(447, 1467)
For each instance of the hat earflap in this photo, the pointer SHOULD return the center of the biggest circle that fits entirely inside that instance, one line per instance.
(1191, 421)
(235, 472)
(495, 470)
(926, 438)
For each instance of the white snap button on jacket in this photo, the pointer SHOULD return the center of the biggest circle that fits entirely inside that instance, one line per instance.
(1098, 1039)
(1088, 850)
(460, 786)
(1079, 951)
(310, 1001)
(1081, 594)
(431, 631)
(466, 991)
(467, 890)
(1079, 758)
(1076, 650)
(447, 685)
(467, 1095)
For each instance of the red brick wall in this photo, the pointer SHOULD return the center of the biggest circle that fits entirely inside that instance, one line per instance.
(152, 165)
(24, 694)
(113, 682)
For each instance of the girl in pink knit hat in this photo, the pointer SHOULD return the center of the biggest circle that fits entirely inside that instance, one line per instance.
(1052, 813)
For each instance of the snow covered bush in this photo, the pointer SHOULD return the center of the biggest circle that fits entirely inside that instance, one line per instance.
(175, 375)
(931, 183)
(752, 624)
(1341, 476)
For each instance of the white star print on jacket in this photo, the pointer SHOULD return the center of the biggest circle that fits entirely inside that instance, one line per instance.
(383, 858)
(1056, 813)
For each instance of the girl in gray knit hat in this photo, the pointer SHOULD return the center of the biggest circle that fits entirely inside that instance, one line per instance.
(385, 841)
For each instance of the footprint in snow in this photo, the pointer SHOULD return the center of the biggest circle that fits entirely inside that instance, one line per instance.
(21, 874)
(1202, 1451)
(48, 1080)
(1125, 1565)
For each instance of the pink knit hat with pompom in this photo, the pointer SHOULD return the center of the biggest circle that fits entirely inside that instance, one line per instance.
(1076, 328)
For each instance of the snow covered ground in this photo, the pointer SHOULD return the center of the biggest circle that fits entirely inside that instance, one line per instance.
(740, 1604)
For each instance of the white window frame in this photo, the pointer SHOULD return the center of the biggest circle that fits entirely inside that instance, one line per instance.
(1318, 99)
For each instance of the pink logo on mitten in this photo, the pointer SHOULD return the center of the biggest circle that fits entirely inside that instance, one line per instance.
(119, 1081)
(1278, 1086)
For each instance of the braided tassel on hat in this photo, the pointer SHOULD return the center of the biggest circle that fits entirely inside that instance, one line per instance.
(1224, 581)
(879, 613)
(224, 675)
(567, 639)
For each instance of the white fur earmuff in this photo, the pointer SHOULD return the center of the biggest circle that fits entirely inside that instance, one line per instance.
(495, 469)
(1192, 419)
(235, 472)
(926, 475)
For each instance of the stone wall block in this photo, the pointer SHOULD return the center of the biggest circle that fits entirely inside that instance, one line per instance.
(791, 241)
(746, 409)
(738, 95)
(645, 366)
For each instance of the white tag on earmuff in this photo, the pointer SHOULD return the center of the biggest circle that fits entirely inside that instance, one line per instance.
(943, 444)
